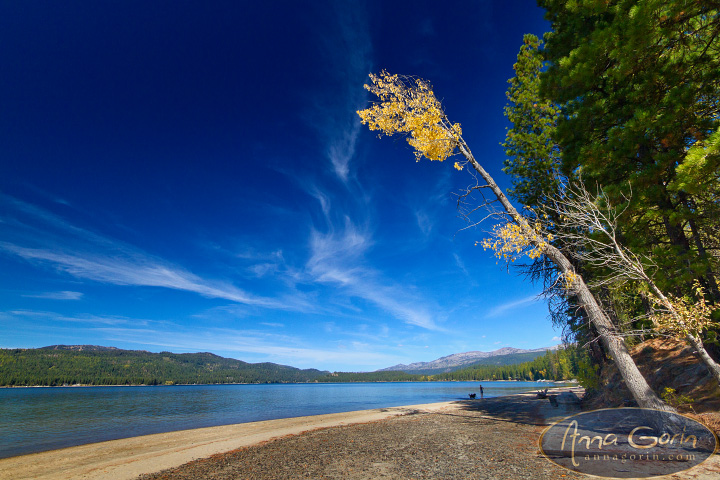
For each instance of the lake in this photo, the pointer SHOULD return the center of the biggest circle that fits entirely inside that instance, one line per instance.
(39, 419)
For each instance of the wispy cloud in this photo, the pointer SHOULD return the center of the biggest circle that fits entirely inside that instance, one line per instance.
(324, 201)
(137, 269)
(338, 258)
(86, 319)
(461, 264)
(424, 222)
(333, 251)
(366, 347)
(63, 295)
(246, 344)
(508, 306)
(272, 324)
(257, 344)
(255, 263)
(349, 58)
(341, 149)
(43, 238)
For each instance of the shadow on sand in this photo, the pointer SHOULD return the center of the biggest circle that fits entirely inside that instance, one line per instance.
(525, 408)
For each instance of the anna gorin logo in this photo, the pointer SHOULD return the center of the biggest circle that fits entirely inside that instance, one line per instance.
(628, 443)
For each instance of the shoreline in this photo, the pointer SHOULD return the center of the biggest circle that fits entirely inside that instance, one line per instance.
(453, 439)
(564, 384)
(28, 433)
(128, 458)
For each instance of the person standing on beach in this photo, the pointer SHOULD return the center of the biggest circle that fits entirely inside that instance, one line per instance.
(481, 391)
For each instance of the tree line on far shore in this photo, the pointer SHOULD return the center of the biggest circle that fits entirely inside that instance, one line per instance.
(57, 366)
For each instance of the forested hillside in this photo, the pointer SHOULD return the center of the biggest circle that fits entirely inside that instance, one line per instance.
(93, 365)
(510, 359)
(60, 365)
(562, 364)
(458, 361)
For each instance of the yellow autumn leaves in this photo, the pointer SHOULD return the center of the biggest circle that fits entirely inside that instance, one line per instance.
(509, 241)
(409, 106)
(682, 316)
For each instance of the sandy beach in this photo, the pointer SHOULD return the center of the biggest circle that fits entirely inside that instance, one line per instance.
(129, 457)
(490, 438)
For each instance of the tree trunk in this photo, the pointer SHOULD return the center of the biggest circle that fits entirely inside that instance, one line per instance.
(614, 345)
(711, 364)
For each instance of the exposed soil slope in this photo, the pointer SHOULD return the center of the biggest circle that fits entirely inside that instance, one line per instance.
(665, 364)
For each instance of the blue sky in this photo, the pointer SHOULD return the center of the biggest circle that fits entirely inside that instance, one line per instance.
(192, 176)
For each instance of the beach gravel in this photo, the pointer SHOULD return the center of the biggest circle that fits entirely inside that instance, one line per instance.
(482, 439)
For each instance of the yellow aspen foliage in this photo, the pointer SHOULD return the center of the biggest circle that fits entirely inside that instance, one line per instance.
(408, 106)
(569, 280)
(690, 317)
(509, 242)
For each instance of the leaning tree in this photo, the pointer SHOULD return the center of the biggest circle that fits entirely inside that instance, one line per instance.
(408, 106)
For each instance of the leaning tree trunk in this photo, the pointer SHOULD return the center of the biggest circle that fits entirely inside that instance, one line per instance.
(613, 343)
(711, 364)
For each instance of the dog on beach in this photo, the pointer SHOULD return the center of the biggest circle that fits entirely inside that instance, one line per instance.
(472, 396)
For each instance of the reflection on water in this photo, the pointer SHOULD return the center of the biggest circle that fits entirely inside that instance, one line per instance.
(38, 419)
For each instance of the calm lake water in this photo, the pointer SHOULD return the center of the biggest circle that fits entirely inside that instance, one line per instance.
(38, 419)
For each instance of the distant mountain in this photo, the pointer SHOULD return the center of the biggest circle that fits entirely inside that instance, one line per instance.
(96, 365)
(84, 348)
(450, 363)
